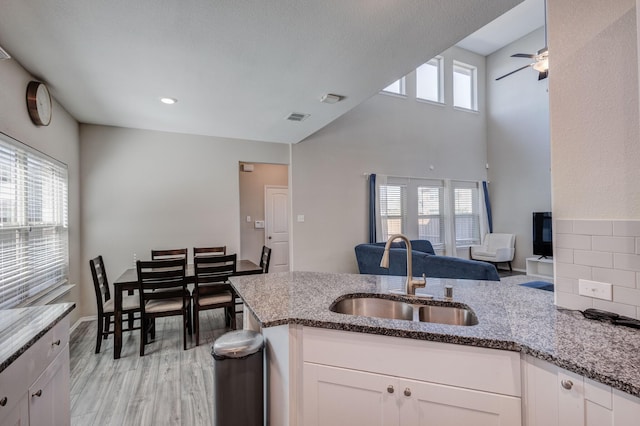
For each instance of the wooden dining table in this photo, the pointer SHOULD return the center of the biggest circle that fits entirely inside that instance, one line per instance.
(128, 282)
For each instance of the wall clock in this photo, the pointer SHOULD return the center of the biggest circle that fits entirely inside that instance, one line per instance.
(39, 103)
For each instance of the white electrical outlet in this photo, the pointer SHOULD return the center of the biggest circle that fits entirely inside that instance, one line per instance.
(595, 289)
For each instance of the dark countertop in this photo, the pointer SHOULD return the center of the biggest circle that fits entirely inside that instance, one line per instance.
(511, 317)
(20, 328)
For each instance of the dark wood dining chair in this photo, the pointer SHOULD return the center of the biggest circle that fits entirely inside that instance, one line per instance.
(212, 289)
(169, 254)
(106, 309)
(209, 251)
(265, 259)
(163, 292)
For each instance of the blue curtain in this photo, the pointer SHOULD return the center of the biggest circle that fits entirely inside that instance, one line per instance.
(372, 208)
(488, 204)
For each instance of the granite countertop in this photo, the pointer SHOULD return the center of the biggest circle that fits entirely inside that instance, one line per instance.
(20, 328)
(511, 317)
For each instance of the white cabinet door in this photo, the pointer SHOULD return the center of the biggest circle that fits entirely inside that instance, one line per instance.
(338, 396)
(49, 400)
(557, 397)
(18, 414)
(342, 397)
(440, 405)
(570, 398)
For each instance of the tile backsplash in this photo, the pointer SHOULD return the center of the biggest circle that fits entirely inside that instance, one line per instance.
(606, 251)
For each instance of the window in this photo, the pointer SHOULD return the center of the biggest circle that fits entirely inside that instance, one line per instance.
(397, 87)
(393, 208)
(431, 214)
(447, 213)
(464, 86)
(34, 253)
(429, 80)
(466, 213)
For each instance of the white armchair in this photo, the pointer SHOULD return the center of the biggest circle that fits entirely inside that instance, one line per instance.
(495, 248)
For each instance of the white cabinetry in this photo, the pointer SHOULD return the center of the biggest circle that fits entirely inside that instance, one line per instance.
(49, 395)
(34, 389)
(539, 268)
(352, 378)
(557, 397)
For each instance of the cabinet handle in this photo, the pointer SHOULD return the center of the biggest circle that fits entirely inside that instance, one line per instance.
(407, 392)
(3, 401)
(390, 389)
(38, 394)
(567, 384)
(56, 343)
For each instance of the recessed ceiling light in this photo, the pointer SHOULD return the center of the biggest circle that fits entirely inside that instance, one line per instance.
(168, 101)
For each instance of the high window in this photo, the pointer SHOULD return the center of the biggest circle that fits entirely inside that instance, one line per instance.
(465, 86)
(447, 213)
(34, 254)
(397, 87)
(429, 81)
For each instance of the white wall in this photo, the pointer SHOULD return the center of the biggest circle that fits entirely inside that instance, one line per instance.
(387, 135)
(518, 146)
(145, 189)
(59, 140)
(595, 149)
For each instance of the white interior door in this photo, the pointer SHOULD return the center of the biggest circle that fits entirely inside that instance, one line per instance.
(276, 233)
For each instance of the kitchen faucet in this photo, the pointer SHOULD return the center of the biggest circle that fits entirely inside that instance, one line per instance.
(411, 284)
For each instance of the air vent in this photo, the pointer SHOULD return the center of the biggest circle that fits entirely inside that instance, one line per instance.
(296, 116)
(4, 54)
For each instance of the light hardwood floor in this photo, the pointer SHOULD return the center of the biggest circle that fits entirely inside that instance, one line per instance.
(167, 386)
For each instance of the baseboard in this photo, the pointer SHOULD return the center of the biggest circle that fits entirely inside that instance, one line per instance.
(81, 320)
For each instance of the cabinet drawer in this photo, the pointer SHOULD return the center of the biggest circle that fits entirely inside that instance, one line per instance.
(13, 382)
(45, 350)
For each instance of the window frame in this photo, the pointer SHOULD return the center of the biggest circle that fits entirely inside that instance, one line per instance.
(438, 62)
(449, 240)
(34, 243)
(472, 72)
(402, 87)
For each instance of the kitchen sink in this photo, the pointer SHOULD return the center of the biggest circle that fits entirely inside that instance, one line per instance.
(447, 315)
(374, 307)
(399, 310)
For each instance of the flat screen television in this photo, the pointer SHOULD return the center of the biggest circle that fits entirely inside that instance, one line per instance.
(542, 242)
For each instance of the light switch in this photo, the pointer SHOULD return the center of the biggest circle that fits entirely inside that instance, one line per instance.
(248, 218)
(300, 218)
(259, 224)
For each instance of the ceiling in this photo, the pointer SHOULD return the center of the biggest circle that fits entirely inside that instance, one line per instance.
(516, 23)
(237, 68)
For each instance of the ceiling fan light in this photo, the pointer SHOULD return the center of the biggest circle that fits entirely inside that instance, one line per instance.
(542, 65)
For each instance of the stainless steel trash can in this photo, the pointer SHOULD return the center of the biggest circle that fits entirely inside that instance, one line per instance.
(238, 379)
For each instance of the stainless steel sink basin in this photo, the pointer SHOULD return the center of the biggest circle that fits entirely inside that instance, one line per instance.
(447, 315)
(396, 309)
(374, 307)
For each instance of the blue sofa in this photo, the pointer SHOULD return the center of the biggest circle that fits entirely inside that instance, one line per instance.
(425, 260)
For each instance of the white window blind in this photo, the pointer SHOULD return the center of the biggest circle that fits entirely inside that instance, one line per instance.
(431, 214)
(34, 253)
(393, 208)
(466, 213)
(445, 212)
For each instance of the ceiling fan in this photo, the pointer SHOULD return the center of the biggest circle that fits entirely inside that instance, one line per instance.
(540, 64)
(540, 60)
